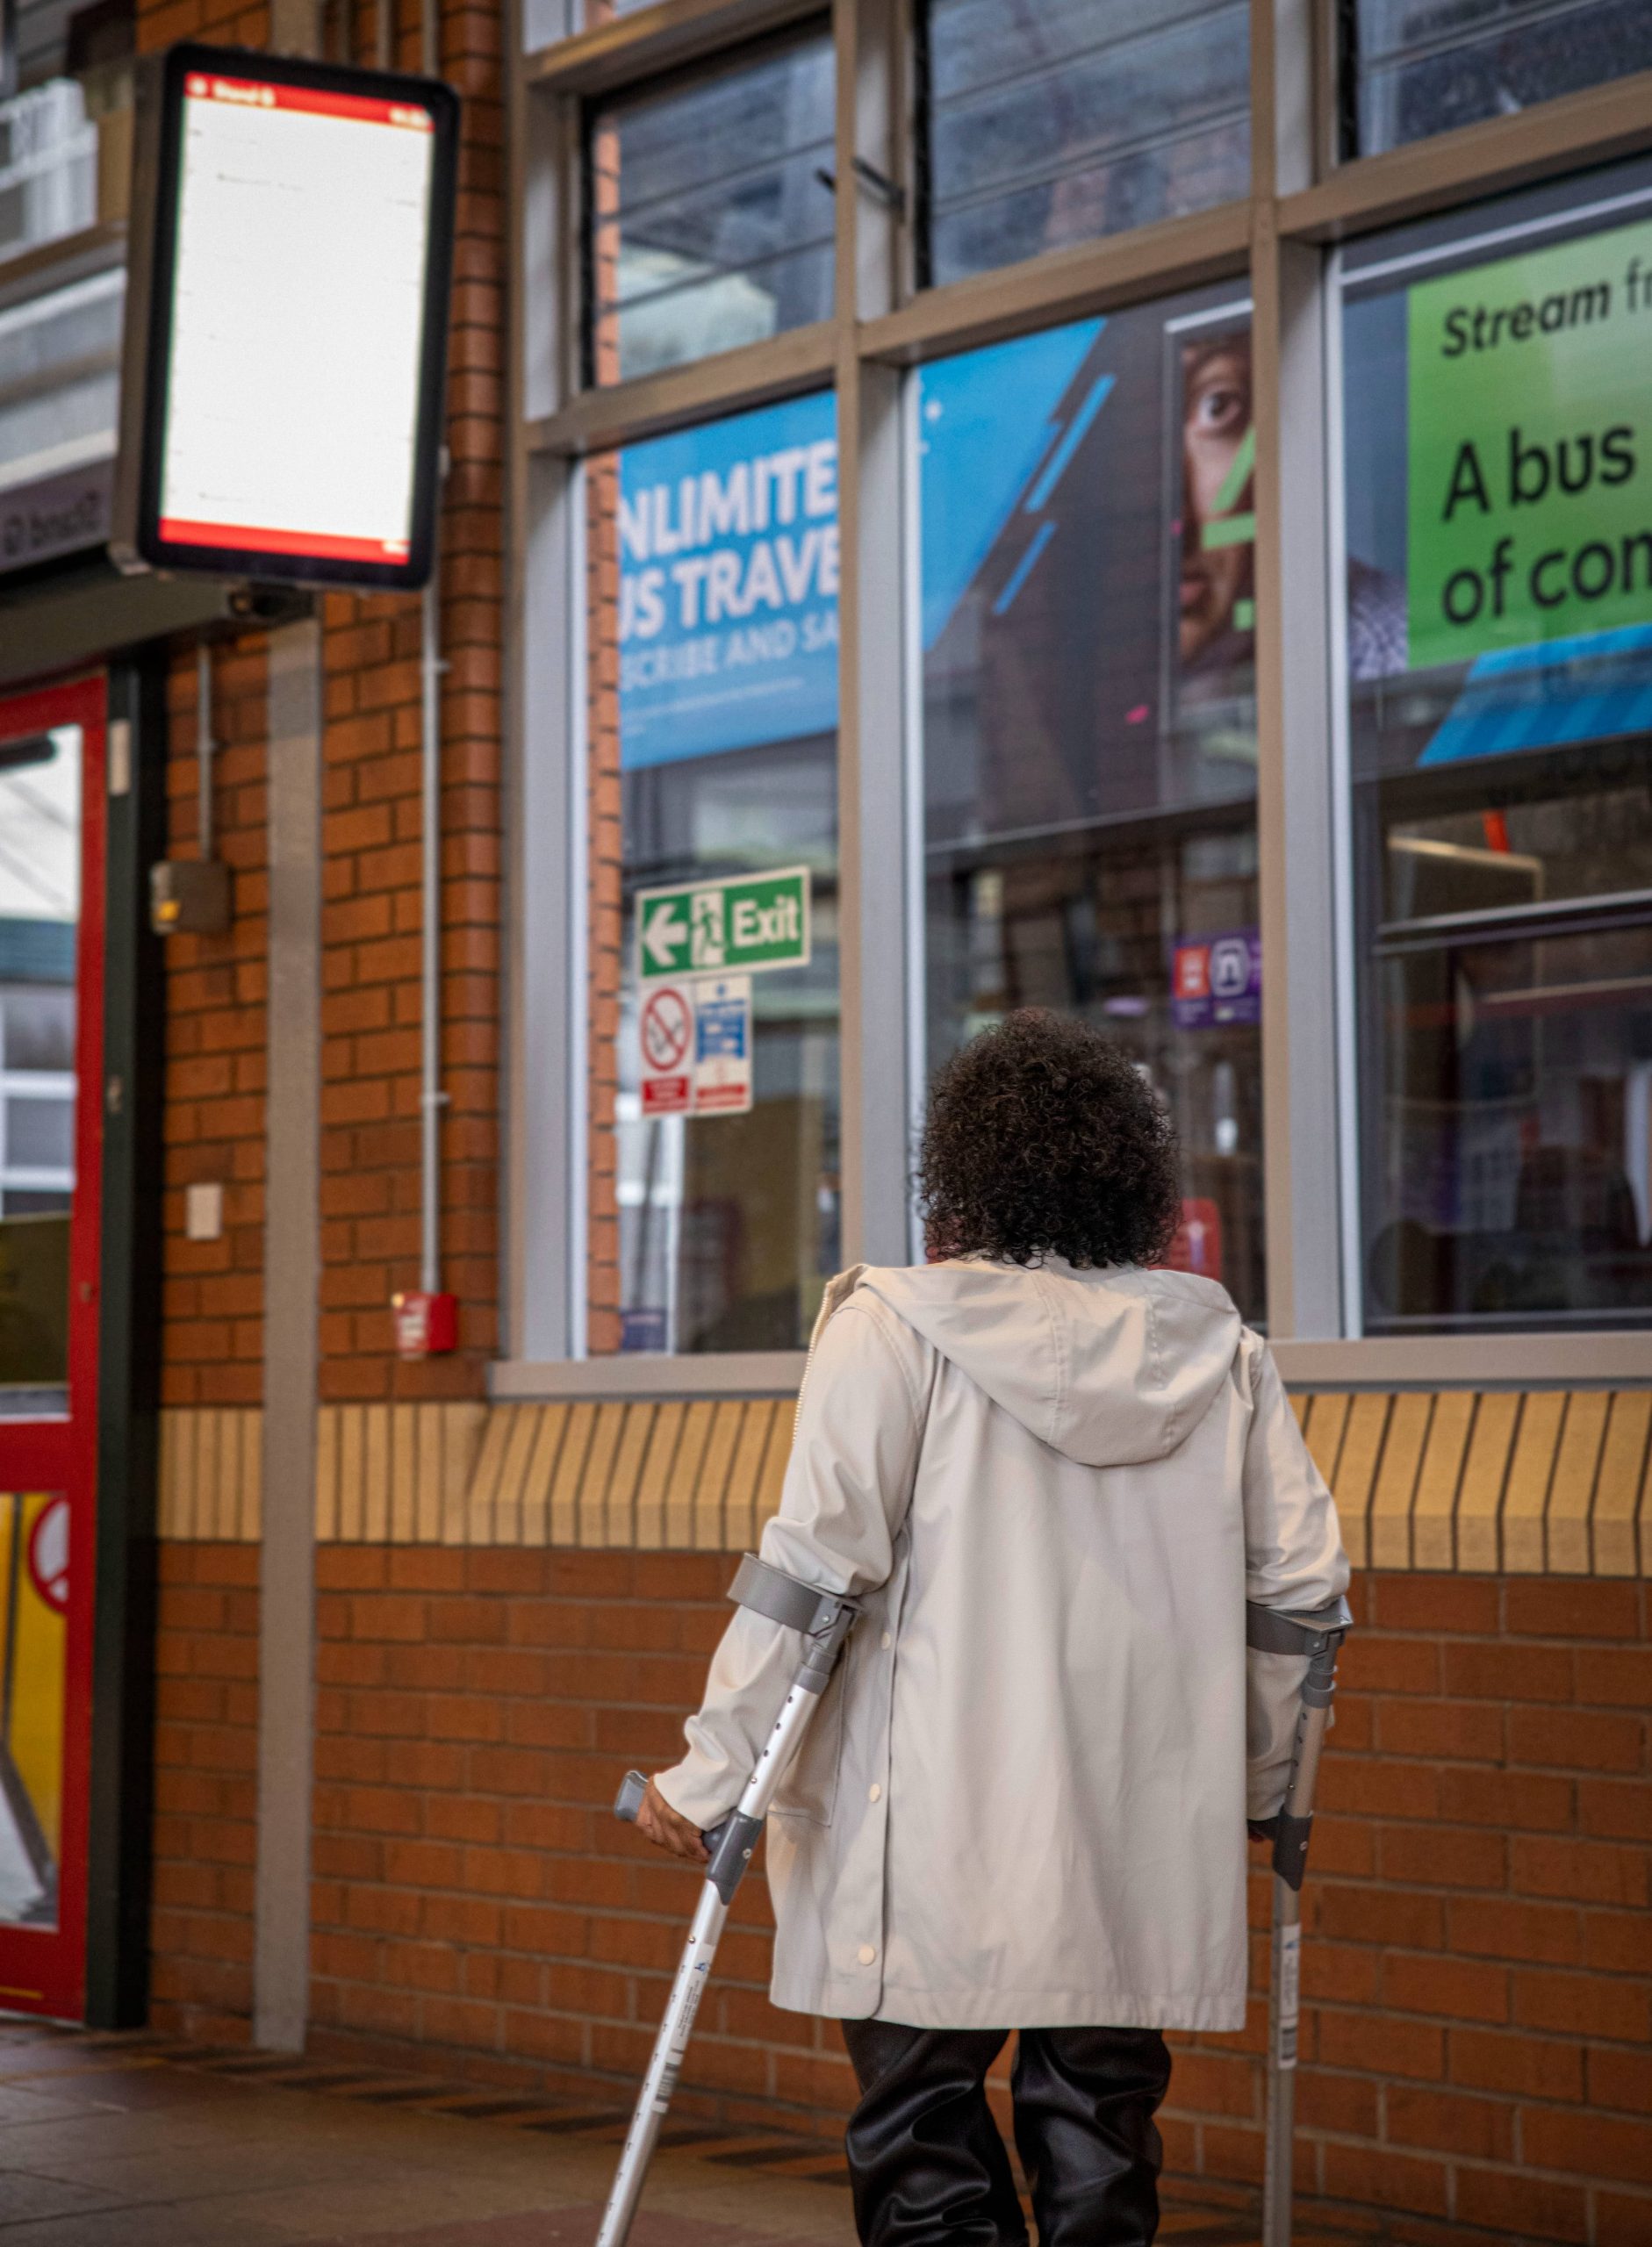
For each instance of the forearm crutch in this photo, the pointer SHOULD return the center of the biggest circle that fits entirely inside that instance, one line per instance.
(1318, 1633)
(825, 1618)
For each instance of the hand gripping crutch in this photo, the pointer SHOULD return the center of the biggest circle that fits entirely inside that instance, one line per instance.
(825, 1618)
(1317, 1634)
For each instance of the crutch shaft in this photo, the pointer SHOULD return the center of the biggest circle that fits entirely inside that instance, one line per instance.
(663, 2068)
(1283, 2011)
(732, 1848)
(1319, 1637)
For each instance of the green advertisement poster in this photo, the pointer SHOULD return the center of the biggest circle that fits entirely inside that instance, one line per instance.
(1530, 427)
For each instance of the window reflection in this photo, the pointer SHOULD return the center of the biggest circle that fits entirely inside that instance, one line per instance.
(709, 223)
(1054, 121)
(1089, 720)
(40, 910)
(1501, 746)
(1419, 68)
(64, 103)
(1515, 1157)
(713, 1118)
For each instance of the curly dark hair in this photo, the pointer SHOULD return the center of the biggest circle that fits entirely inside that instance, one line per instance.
(1043, 1138)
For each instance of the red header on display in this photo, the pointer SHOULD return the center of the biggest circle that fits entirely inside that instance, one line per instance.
(249, 538)
(255, 93)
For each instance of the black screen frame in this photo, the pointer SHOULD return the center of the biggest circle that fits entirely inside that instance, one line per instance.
(155, 340)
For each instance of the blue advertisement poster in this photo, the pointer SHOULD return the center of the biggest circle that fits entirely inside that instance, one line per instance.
(729, 585)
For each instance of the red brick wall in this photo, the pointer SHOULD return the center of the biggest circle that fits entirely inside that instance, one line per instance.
(472, 1890)
(372, 831)
(1479, 1965)
(212, 1298)
(1479, 1956)
(215, 1034)
(212, 1291)
(371, 842)
(206, 1788)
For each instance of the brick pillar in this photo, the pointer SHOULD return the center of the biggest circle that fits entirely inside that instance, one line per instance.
(607, 841)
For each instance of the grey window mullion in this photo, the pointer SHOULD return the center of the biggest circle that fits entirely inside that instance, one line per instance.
(1296, 796)
(871, 699)
(551, 1064)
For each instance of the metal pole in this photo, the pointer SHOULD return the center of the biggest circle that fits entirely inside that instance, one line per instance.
(1284, 1994)
(695, 1969)
(1318, 1635)
(431, 1096)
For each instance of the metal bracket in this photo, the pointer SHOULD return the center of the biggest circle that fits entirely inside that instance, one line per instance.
(889, 192)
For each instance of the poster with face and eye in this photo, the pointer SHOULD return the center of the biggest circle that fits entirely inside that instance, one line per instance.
(1089, 593)
(1213, 528)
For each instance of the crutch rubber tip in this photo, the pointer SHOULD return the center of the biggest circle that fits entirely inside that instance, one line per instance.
(628, 1801)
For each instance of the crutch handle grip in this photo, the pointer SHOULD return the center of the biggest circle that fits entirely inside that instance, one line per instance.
(628, 1801)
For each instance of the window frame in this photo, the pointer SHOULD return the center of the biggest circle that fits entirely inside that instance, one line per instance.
(1305, 199)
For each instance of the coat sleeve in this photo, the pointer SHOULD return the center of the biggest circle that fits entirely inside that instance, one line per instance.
(848, 1484)
(1293, 1558)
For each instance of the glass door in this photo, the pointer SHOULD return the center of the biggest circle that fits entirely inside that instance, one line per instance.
(51, 969)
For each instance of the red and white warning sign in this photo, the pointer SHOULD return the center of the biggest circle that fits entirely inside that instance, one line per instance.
(696, 1042)
(667, 1031)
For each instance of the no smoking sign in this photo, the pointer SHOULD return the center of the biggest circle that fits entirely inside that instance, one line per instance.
(695, 1042)
(667, 1028)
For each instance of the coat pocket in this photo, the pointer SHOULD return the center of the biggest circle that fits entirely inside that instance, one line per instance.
(809, 1789)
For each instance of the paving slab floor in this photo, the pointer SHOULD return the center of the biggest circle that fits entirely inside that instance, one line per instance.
(137, 2141)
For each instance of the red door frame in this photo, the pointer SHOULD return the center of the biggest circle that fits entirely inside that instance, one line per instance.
(44, 1970)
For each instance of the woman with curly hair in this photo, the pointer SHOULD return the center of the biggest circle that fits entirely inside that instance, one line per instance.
(1053, 1472)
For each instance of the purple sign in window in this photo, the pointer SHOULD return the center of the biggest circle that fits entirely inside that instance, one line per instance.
(1216, 980)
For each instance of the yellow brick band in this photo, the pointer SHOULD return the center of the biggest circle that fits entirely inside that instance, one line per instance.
(1545, 1482)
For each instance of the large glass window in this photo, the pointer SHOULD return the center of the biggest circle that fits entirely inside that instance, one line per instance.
(1052, 121)
(713, 1118)
(1090, 730)
(1416, 68)
(1498, 502)
(709, 210)
(39, 914)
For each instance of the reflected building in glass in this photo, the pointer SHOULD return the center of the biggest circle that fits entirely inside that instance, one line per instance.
(1089, 729)
(1502, 800)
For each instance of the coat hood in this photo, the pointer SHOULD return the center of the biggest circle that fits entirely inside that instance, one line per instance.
(1111, 1367)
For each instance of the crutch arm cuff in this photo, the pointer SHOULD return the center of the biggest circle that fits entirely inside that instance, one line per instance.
(824, 1617)
(786, 1600)
(1303, 1631)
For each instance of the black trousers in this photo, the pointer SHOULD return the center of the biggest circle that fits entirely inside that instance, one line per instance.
(930, 2170)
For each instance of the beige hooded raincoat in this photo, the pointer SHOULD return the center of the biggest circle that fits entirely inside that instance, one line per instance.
(1022, 1802)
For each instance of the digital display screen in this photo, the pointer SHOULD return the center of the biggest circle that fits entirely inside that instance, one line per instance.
(297, 321)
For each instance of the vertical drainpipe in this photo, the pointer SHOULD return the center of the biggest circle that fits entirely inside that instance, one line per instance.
(431, 1096)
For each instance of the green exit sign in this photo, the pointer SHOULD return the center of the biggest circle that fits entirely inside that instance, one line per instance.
(712, 928)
